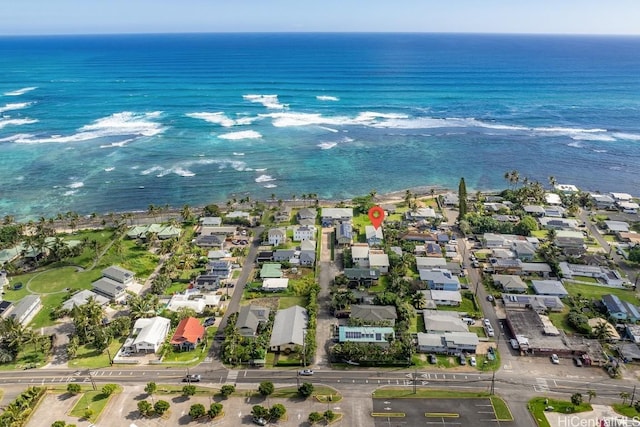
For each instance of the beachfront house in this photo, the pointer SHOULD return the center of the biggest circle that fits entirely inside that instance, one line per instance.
(333, 216)
(344, 233)
(307, 216)
(373, 235)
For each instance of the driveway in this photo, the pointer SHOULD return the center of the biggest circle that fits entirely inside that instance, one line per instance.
(325, 320)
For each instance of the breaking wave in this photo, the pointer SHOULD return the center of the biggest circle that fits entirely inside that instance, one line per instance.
(269, 101)
(244, 134)
(20, 91)
(16, 122)
(15, 106)
(265, 178)
(327, 98)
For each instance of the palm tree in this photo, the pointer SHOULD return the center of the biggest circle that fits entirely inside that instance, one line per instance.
(552, 182)
(624, 396)
(187, 213)
(591, 394)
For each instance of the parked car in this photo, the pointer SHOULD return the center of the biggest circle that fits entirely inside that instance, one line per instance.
(472, 361)
(490, 332)
(191, 378)
(514, 344)
(259, 421)
(463, 360)
(433, 359)
(486, 322)
(555, 359)
(475, 264)
(306, 372)
(577, 362)
(490, 298)
(209, 321)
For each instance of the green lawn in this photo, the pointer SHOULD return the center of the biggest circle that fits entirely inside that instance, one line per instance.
(559, 320)
(501, 409)
(626, 410)
(190, 358)
(416, 324)
(536, 407)
(318, 390)
(59, 279)
(91, 358)
(27, 357)
(585, 279)
(94, 400)
(286, 302)
(596, 292)
(422, 393)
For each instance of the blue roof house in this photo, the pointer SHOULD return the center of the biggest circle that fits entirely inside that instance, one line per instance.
(620, 310)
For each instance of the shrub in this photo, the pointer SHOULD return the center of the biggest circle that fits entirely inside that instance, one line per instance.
(108, 389)
(215, 409)
(188, 390)
(305, 390)
(197, 410)
(150, 388)
(315, 417)
(227, 390)
(277, 411)
(259, 411)
(73, 388)
(266, 388)
(329, 415)
(161, 406)
(145, 408)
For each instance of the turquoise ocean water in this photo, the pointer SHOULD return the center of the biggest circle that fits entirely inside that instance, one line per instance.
(114, 123)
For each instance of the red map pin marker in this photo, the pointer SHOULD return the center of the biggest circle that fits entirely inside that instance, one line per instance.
(376, 216)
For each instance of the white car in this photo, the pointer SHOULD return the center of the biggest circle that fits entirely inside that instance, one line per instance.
(487, 323)
(490, 332)
(514, 344)
(555, 359)
(472, 361)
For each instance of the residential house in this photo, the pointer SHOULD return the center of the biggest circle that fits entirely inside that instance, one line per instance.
(194, 299)
(535, 269)
(510, 283)
(549, 287)
(379, 260)
(415, 236)
(449, 298)
(440, 279)
(566, 188)
(621, 197)
(420, 214)
(534, 210)
(238, 215)
(211, 221)
(24, 310)
(631, 331)
(552, 199)
(217, 254)
(304, 232)
(147, 335)
(360, 255)
(602, 274)
(286, 255)
(189, 334)
(277, 236)
(436, 321)
(283, 214)
(448, 342)
(109, 288)
(450, 199)
(81, 298)
(269, 270)
(344, 233)
(207, 282)
(119, 274)
(374, 315)
(333, 216)
(307, 216)
(620, 310)
(250, 319)
(361, 276)
(554, 211)
(570, 241)
(523, 250)
(289, 327)
(427, 263)
(617, 227)
(275, 284)
(603, 201)
(628, 207)
(380, 335)
(551, 223)
(307, 245)
(538, 303)
(433, 250)
(373, 235)
(307, 258)
(211, 241)
(221, 269)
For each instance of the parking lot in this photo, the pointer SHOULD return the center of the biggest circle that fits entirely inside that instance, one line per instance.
(477, 412)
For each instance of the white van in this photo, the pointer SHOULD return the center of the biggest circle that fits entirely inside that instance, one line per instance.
(468, 320)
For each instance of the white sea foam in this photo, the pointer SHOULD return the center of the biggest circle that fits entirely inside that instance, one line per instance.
(16, 137)
(269, 186)
(600, 151)
(127, 124)
(16, 122)
(260, 169)
(269, 101)
(15, 106)
(627, 136)
(592, 137)
(575, 145)
(182, 172)
(152, 170)
(327, 145)
(76, 184)
(215, 118)
(20, 91)
(265, 178)
(329, 129)
(69, 193)
(244, 134)
(238, 154)
(327, 98)
(109, 169)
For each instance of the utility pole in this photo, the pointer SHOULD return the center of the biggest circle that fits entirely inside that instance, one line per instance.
(415, 380)
(93, 383)
(633, 395)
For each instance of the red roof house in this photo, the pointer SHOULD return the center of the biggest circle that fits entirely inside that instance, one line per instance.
(188, 334)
